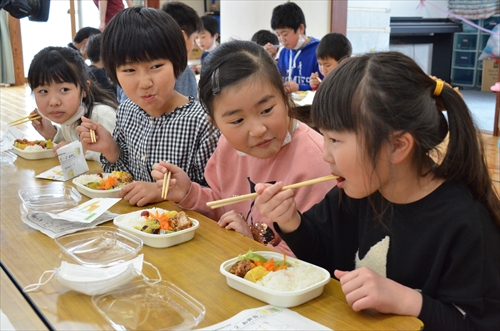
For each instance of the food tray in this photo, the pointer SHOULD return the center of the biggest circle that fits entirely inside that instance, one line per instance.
(50, 199)
(102, 246)
(297, 96)
(157, 240)
(95, 193)
(34, 155)
(144, 306)
(276, 298)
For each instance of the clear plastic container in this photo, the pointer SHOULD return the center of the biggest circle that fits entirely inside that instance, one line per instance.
(145, 306)
(102, 246)
(49, 198)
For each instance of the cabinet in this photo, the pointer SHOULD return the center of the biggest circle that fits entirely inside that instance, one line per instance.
(466, 70)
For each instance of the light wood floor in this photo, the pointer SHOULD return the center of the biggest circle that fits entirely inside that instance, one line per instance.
(17, 101)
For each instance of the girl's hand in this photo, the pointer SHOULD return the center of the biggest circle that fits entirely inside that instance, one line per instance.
(105, 143)
(277, 205)
(56, 147)
(313, 81)
(180, 183)
(140, 193)
(44, 126)
(364, 288)
(291, 87)
(235, 221)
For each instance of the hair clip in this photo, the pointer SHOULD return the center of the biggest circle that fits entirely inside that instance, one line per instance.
(215, 82)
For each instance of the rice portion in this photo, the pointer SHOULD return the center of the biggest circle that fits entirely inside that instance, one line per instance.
(85, 179)
(292, 279)
(34, 148)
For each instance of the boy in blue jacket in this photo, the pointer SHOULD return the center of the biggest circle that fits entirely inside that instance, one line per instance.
(297, 61)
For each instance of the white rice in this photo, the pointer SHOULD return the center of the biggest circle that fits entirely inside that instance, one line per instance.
(33, 148)
(291, 279)
(135, 220)
(85, 179)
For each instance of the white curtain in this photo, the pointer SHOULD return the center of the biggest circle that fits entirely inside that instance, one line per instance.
(7, 75)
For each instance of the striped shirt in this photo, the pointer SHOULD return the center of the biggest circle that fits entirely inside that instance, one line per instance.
(183, 137)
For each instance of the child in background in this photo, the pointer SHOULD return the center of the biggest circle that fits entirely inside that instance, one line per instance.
(64, 92)
(297, 60)
(190, 24)
(264, 37)
(155, 122)
(96, 67)
(81, 38)
(207, 37)
(403, 234)
(243, 93)
(332, 49)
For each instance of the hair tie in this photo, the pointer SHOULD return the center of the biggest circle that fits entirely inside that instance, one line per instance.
(439, 87)
(215, 82)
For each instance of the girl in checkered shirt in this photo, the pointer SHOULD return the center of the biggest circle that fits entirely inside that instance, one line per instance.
(144, 52)
(245, 98)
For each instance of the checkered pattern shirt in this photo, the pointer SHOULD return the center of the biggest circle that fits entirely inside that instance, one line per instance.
(183, 137)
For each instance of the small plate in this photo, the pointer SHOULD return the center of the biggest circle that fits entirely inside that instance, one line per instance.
(297, 96)
(50, 199)
(156, 240)
(144, 306)
(276, 298)
(102, 246)
(95, 193)
(34, 155)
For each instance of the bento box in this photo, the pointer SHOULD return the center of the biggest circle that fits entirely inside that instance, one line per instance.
(82, 183)
(135, 221)
(291, 289)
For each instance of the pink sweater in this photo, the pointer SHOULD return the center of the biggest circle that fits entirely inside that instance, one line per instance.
(228, 175)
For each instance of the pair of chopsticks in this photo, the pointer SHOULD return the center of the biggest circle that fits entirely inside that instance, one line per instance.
(25, 119)
(166, 182)
(92, 136)
(230, 201)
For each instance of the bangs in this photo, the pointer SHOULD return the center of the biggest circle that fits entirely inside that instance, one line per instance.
(51, 68)
(150, 38)
(335, 106)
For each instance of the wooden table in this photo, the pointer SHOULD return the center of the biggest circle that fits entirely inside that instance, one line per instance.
(193, 266)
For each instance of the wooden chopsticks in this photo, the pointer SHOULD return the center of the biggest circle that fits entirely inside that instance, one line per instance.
(319, 79)
(92, 136)
(229, 201)
(166, 182)
(25, 119)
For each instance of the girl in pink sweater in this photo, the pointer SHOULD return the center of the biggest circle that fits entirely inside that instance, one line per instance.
(241, 88)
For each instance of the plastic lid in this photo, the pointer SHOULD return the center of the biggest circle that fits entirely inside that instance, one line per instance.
(145, 306)
(49, 198)
(102, 246)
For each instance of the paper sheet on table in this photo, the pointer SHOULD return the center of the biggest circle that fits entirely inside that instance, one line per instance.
(267, 318)
(55, 173)
(5, 323)
(72, 160)
(86, 212)
(307, 101)
(55, 228)
(9, 135)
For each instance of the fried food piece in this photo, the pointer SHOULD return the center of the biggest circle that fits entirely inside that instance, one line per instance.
(241, 268)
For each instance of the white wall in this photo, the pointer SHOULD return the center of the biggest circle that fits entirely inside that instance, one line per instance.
(240, 19)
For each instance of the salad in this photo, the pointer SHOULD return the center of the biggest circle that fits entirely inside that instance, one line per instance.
(158, 221)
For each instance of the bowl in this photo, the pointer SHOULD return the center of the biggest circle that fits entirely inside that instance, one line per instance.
(155, 240)
(102, 246)
(145, 306)
(91, 193)
(34, 154)
(299, 95)
(283, 299)
(50, 199)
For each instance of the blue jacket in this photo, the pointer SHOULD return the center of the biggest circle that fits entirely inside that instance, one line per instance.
(303, 64)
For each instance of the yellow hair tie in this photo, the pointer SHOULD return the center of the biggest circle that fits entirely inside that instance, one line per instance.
(439, 87)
